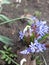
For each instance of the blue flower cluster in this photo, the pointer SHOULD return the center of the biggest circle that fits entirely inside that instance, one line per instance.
(21, 35)
(36, 47)
(39, 28)
(42, 28)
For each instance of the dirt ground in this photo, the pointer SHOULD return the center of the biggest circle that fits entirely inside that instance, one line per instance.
(12, 12)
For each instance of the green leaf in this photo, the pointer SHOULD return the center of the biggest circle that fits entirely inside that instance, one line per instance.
(9, 49)
(6, 59)
(5, 2)
(11, 55)
(0, 8)
(6, 52)
(30, 22)
(2, 52)
(32, 37)
(6, 40)
(37, 13)
(44, 37)
(9, 62)
(38, 61)
(4, 18)
(5, 47)
(13, 20)
(3, 57)
(15, 55)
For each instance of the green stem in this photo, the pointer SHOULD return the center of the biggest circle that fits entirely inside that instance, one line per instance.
(14, 20)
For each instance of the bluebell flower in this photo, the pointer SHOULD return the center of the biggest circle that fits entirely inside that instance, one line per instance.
(39, 23)
(34, 48)
(21, 35)
(45, 29)
(33, 18)
(43, 46)
(39, 46)
(26, 51)
(42, 28)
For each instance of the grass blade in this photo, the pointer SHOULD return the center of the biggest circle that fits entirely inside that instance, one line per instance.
(6, 40)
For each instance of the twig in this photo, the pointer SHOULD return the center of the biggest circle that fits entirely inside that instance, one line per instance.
(43, 58)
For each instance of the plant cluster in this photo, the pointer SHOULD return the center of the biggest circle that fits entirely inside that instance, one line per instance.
(32, 35)
(8, 56)
(35, 35)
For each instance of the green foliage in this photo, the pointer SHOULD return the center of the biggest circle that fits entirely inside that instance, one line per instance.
(7, 55)
(3, 18)
(0, 8)
(38, 60)
(5, 2)
(32, 37)
(44, 37)
(6, 40)
(30, 22)
(37, 14)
